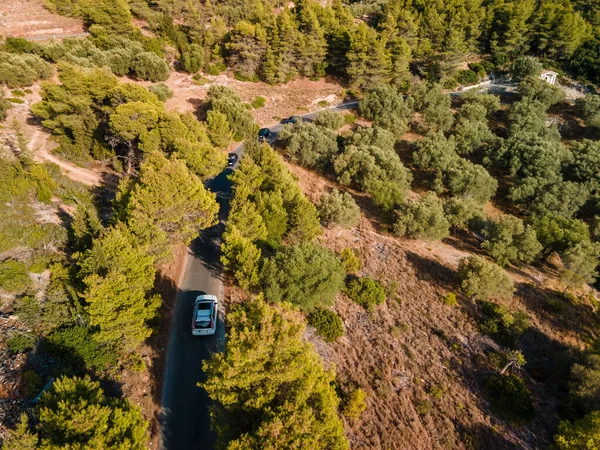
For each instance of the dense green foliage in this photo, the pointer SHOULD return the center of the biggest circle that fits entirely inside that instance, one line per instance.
(510, 241)
(385, 106)
(450, 173)
(91, 109)
(76, 412)
(423, 219)
(270, 387)
(579, 434)
(239, 119)
(368, 161)
(268, 205)
(22, 70)
(503, 325)
(308, 144)
(339, 208)
(482, 280)
(365, 291)
(13, 276)
(306, 275)
(327, 323)
(510, 398)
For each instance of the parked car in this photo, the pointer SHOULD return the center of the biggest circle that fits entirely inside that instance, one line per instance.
(291, 119)
(232, 159)
(263, 133)
(204, 318)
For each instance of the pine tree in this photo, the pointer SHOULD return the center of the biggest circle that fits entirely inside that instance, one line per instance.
(246, 49)
(169, 198)
(240, 257)
(22, 438)
(273, 379)
(218, 127)
(118, 310)
(288, 47)
(369, 62)
(75, 413)
(314, 45)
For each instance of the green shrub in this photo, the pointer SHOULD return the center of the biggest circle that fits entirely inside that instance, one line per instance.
(32, 383)
(162, 91)
(329, 119)
(349, 119)
(76, 346)
(309, 145)
(16, 100)
(580, 434)
(467, 77)
(28, 309)
(436, 391)
(13, 276)
(350, 260)
(585, 383)
(5, 105)
(423, 406)
(327, 323)
(259, 102)
(449, 299)
(365, 291)
(307, 275)
(323, 103)
(482, 280)
(423, 219)
(355, 404)
(510, 398)
(503, 325)
(22, 70)
(39, 264)
(199, 80)
(17, 93)
(136, 362)
(339, 208)
(28, 91)
(20, 342)
(149, 66)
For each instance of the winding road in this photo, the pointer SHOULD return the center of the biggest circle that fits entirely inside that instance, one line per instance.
(185, 420)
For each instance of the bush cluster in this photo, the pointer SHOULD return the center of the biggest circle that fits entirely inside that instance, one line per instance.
(365, 291)
(327, 323)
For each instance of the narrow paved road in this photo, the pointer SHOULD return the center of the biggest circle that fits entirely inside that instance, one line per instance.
(184, 411)
(185, 418)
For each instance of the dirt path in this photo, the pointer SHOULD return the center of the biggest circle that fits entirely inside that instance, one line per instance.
(40, 144)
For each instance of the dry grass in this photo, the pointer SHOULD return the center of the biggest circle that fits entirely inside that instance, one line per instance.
(422, 363)
(27, 18)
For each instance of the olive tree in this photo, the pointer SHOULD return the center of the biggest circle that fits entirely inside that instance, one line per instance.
(423, 219)
(307, 275)
(481, 280)
(339, 208)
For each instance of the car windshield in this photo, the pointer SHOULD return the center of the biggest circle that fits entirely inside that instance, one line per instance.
(203, 315)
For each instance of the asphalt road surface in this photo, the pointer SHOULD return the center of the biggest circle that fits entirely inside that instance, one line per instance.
(184, 414)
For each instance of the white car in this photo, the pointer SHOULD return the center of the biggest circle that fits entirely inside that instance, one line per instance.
(204, 318)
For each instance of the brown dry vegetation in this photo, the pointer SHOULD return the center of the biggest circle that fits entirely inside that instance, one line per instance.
(294, 98)
(423, 363)
(29, 18)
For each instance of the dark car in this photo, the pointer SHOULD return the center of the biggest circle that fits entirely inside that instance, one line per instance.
(263, 133)
(231, 159)
(292, 119)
